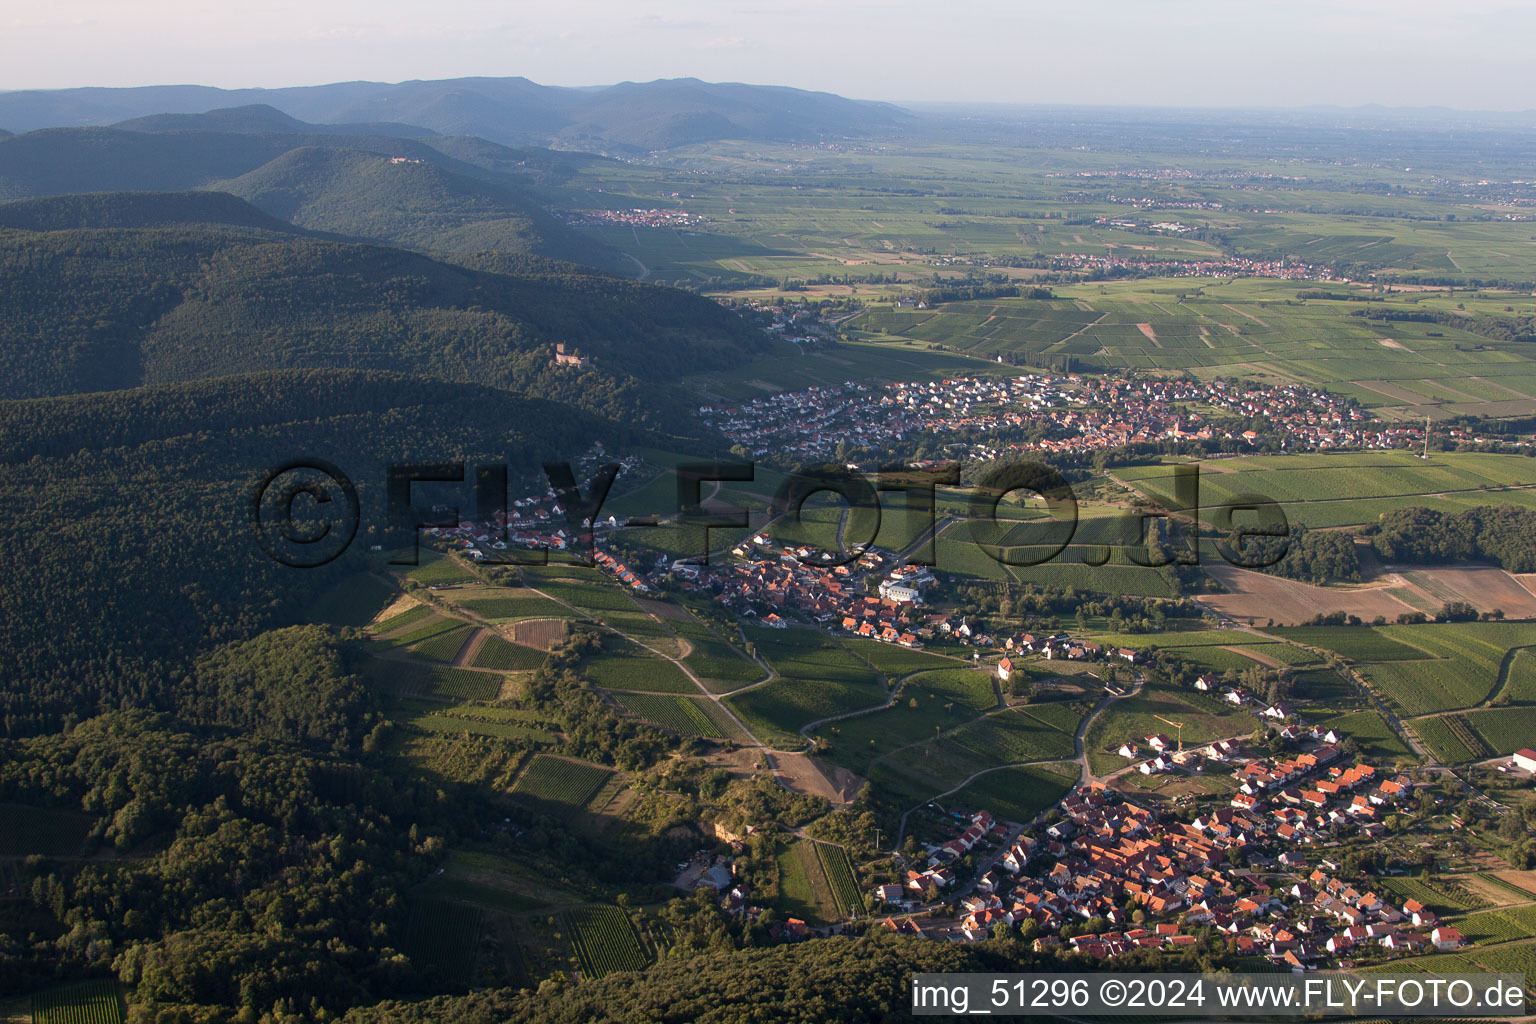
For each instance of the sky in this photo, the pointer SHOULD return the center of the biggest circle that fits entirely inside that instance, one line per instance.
(1473, 54)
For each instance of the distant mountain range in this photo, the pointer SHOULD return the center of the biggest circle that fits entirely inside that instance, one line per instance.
(374, 181)
(628, 117)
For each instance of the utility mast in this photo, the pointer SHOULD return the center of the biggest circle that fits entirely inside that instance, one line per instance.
(1426, 436)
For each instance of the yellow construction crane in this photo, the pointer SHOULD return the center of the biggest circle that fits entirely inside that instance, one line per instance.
(1177, 725)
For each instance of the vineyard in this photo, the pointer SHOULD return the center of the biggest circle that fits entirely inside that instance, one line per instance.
(840, 875)
(504, 656)
(559, 781)
(403, 619)
(605, 941)
(443, 646)
(87, 1002)
(1450, 738)
(442, 938)
(686, 716)
(1504, 730)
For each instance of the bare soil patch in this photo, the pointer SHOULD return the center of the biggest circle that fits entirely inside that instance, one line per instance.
(543, 634)
(1391, 343)
(1484, 587)
(1256, 598)
(401, 604)
(466, 656)
(664, 609)
(804, 774)
(1149, 334)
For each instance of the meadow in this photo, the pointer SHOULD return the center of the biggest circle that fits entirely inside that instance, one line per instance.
(1017, 794)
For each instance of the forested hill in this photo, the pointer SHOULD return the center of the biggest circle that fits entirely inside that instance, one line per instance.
(628, 116)
(414, 204)
(449, 195)
(124, 515)
(95, 310)
(137, 210)
(262, 118)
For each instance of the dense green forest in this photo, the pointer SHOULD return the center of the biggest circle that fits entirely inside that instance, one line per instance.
(1502, 534)
(413, 204)
(95, 310)
(124, 514)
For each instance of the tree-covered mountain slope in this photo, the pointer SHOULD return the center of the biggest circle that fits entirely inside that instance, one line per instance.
(124, 515)
(101, 309)
(410, 203)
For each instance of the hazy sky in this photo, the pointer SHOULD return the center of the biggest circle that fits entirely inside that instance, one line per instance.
(1470, 54)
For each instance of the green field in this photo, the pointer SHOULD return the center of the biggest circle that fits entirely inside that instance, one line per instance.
(434, 568)
(514, 606)
(841, 878)
(605, 940)
(505, 656)
(1462, 668)
(686, 716)
(625, 665)
(1376, 740)
(1017, 794)
(560, 785)
(1135, 718)
(805, 891)
(443, 646)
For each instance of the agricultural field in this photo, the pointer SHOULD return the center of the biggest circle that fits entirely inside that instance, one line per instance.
(686, 716)
(498, 883)
(400, 620)
(355, 601)
(928, 703)
(1135, 718)
(1017, 794)
(818, 678)
(444, 646)
(435, 568)
(1439, 898)
(1503, 730)
(560, 785)
(479, 720)
(418, 679)
(505, 656)
(1450, 738)
(1509, 924)
(86, 1002)
(1376, 740)
(842, 879)
(420, 629)
(442, 937)
(625, 665)
(605, 940)
(513, 605)
(805, 891)
(893, 660)
(1461, 672)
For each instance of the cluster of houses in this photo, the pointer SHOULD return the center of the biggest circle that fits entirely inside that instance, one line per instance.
(1109, 858)
(1063, 646)
(833, 596)
(1081, 414)
(623, 573)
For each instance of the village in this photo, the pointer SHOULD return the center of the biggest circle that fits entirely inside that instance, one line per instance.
(1103, 875)
(1078, 415)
